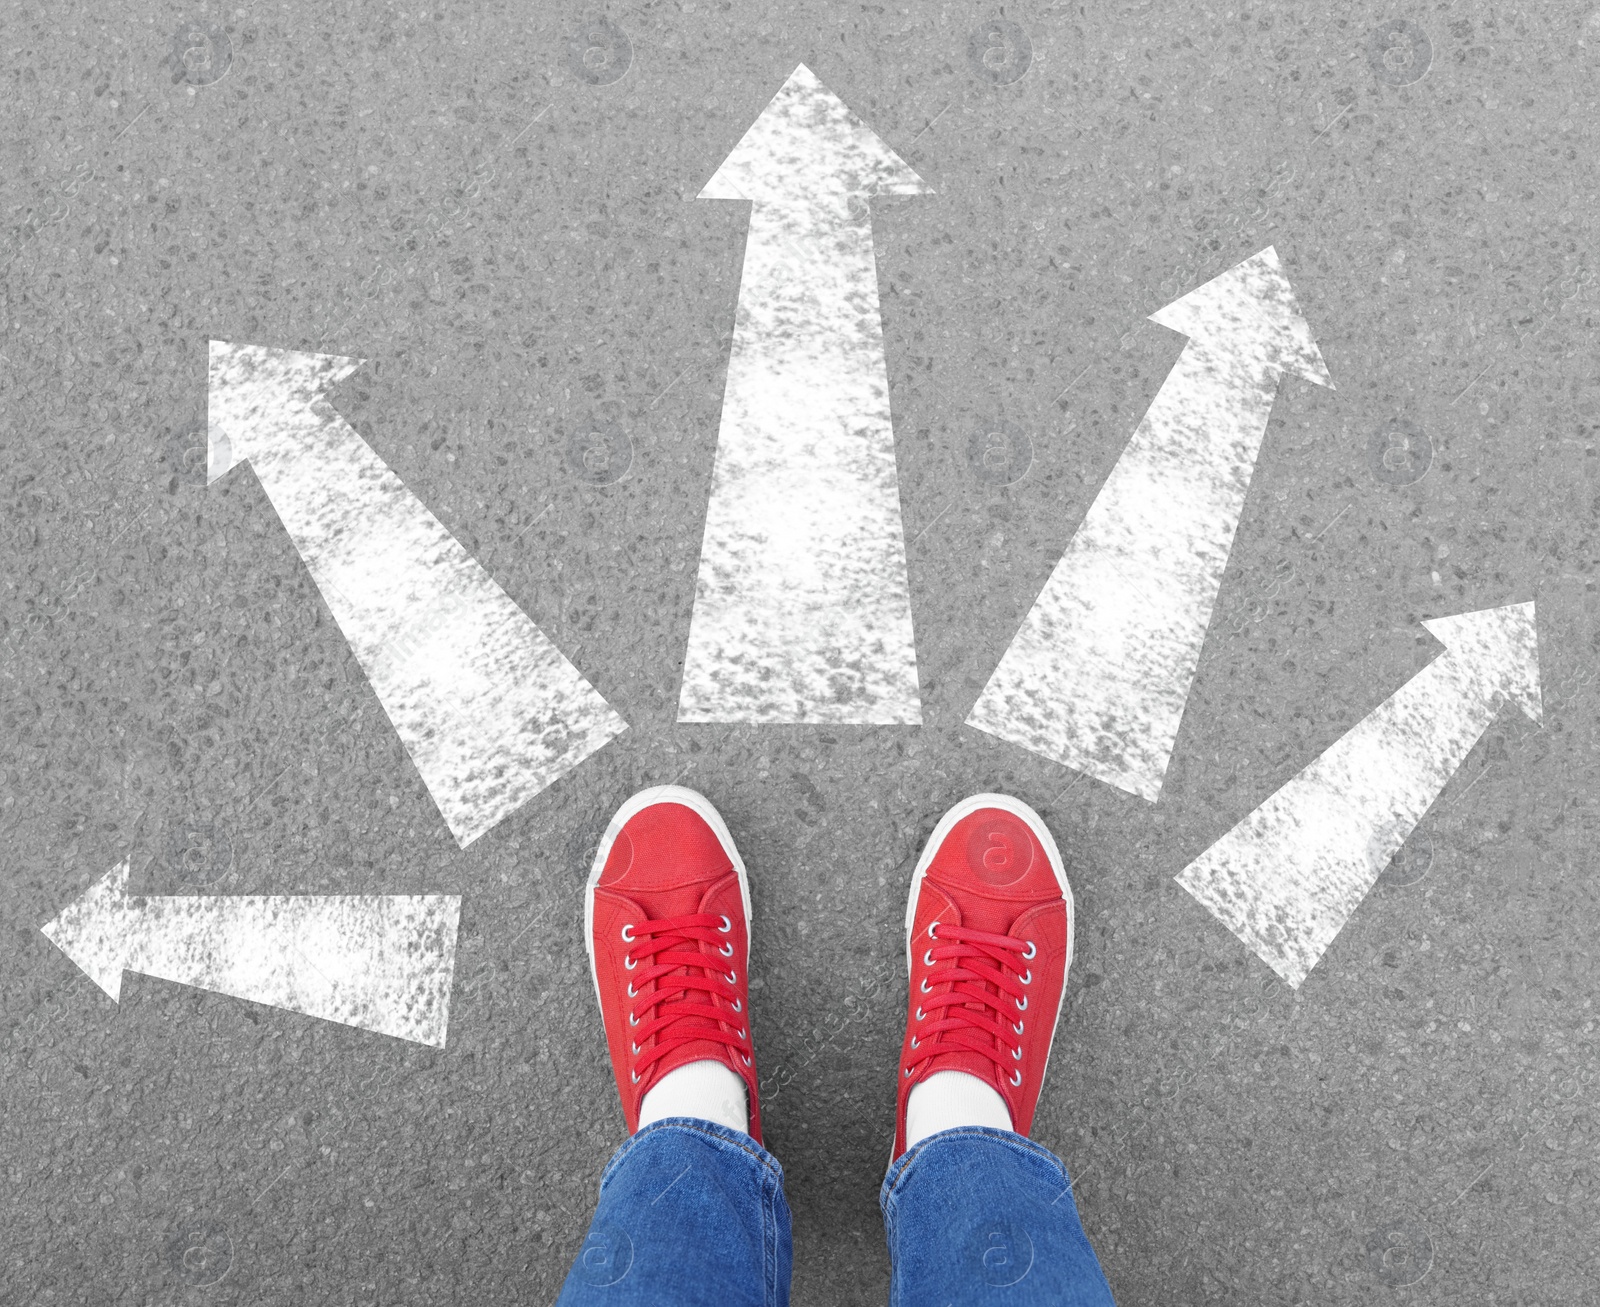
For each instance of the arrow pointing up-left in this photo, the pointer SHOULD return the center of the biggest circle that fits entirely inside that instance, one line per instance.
(488, 708)
(381, 962)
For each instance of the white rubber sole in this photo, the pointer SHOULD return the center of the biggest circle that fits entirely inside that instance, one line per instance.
(1017, 808)
(696, 803)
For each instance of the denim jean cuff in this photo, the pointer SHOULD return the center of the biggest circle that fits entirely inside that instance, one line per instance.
(901, 1168)
(720, 1136)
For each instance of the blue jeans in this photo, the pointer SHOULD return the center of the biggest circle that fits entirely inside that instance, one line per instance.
(693, 1213)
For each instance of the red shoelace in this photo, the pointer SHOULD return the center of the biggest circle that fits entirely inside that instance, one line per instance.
(972, 998)
(671, 980)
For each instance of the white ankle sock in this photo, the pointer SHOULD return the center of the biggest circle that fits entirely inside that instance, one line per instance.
(705, 1089)
(948, 1099)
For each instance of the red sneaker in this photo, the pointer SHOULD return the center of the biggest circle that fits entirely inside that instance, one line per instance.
(988, 944)
(667, 912)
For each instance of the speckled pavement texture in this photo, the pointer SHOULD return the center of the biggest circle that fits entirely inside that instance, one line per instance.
(493, 203)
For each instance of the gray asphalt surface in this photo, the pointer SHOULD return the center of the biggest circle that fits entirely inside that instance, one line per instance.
(509, 236)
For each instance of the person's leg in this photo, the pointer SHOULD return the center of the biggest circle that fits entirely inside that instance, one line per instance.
(980, 1216)
(691, 1207)
(975, 1212)
(690, 1213)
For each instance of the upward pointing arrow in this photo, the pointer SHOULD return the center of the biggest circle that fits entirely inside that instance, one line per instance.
(1287, 878)
(1098, 675)
(381, 962)
(808, 150)
(802, 611)
(487, 707)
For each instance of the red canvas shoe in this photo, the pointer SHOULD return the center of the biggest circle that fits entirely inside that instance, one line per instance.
(667, 912)
(988, 944)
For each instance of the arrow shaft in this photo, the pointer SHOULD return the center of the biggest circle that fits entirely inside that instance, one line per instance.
(1167, 514)
(489, 710)
(1288, 877)
(373, 549)
(1123, 617)
(383, 963)
(802, 611)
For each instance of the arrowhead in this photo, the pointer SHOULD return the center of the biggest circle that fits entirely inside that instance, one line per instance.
(1250, 308)
(251, 387)
(1502, 646)
(807, 147)
(96, 931)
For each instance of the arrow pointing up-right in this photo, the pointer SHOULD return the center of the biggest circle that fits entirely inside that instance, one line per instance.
(1248, 314)
(1098, 676)
(1286, 878)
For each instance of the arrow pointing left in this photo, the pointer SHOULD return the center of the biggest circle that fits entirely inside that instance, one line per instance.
(489, 709)
(380, 962)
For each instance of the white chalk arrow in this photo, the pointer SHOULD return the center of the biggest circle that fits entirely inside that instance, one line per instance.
(1098, 675)
(381, 962)
(1286, 878)
(489, 709)
(801, 609)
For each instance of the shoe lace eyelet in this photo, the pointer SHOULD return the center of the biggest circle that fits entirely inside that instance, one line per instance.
(915, 1042)
(926, 987)
(636, 1050)
(1017, 1029)
(1028, 956)
(632, 1019)
(738, 1005)
(733, 977)
(727, 950)
(632, 993)
(635, 1076)
(908, 1073)
(1022, 1003)
(726, 925)
(927, 958)
(1016, 1079)
(1016, 1053)
(627, 932)
(743, 1034)
(628, 964)
(932, 926)
(1027, 978)
(919, 1011)
(744, 1059)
